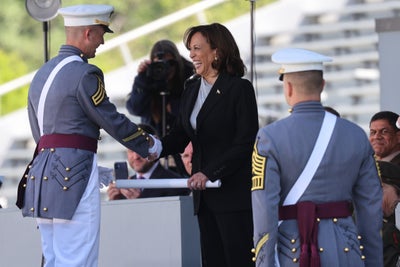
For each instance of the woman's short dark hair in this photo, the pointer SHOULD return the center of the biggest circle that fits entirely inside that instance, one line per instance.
(220, 38)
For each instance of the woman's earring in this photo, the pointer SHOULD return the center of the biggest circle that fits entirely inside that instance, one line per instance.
(215, 58)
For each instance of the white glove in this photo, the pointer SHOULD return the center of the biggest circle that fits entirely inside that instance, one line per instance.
(156, 149)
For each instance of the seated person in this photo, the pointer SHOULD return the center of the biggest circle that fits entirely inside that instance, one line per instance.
(187, 158)
(390, 174)
(145, 170)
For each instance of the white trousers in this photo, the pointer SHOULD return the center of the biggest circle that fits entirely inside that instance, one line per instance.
(75, 242)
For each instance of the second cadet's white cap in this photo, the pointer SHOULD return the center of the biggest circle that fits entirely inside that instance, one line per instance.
(84, 15)
(297, 60)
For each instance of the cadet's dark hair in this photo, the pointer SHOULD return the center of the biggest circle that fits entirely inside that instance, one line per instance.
(220, 38)
(389, 116)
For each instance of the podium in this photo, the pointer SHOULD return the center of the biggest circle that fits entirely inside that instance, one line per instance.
(149, 232)
(140, 232)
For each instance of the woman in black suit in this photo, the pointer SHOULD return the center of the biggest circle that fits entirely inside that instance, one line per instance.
(219, 116)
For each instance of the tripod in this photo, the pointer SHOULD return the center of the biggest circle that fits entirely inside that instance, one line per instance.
(177, 158)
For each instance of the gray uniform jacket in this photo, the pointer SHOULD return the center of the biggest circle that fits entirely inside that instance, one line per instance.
(76, 103)
(347, 173)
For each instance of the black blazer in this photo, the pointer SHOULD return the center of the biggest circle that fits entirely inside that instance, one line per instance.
(227, 125)
(159, 173)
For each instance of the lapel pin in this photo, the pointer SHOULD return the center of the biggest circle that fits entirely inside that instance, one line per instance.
(218, 92)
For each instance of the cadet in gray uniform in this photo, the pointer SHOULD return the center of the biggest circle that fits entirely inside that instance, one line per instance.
(67, 106)
(309, 171)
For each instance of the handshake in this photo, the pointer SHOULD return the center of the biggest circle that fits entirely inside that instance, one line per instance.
(154, 149)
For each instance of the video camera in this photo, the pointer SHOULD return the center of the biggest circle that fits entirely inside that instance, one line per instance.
(158, 70)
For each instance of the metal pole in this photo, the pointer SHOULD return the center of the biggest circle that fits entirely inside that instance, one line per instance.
(45, 35)
(252, 40)
(164, 94)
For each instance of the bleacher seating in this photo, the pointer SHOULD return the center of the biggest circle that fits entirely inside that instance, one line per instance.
(345, 32)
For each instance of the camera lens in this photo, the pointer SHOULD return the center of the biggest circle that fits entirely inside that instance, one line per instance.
(158, 70)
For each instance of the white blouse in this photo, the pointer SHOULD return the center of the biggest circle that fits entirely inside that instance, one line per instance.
(204, 90)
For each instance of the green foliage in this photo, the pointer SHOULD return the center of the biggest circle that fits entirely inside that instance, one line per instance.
(22, 40)
(11, 66)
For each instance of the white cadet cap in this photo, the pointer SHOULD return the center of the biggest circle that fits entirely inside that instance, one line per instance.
(296, 60)
(84, 15)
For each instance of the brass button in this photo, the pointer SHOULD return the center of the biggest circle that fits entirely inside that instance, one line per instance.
(359, 237)
(45, 178)
(147, 138)
(294, 260)
(253, 250)
(362, 257)
(294, 250)
(253, 259)
(32, 209)
(32, 177)
(42, 149)
(67, 169)
(293, 241)
(334, 220)
(138, 128)
(66, 179)
(346, 249)
(30, 166)
(52, 150)
(44, 209)
(318, 219)
(65, 188)
(321, 249)
(361, 247)
(26, 175)
(24, 185)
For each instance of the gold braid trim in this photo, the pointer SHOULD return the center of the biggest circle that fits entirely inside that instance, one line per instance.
(261, 243)
(258, 170)
(378, 168)
(139, 132)
(102, 22)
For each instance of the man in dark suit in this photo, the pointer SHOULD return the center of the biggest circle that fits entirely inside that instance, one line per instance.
(384, 136)
(146, 170)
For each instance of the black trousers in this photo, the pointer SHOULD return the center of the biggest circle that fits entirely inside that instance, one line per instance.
(226, 238)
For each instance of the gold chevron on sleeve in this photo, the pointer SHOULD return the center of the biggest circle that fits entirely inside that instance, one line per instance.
(100, 93)
(261, 243)
(135, 135)
(258, 170)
